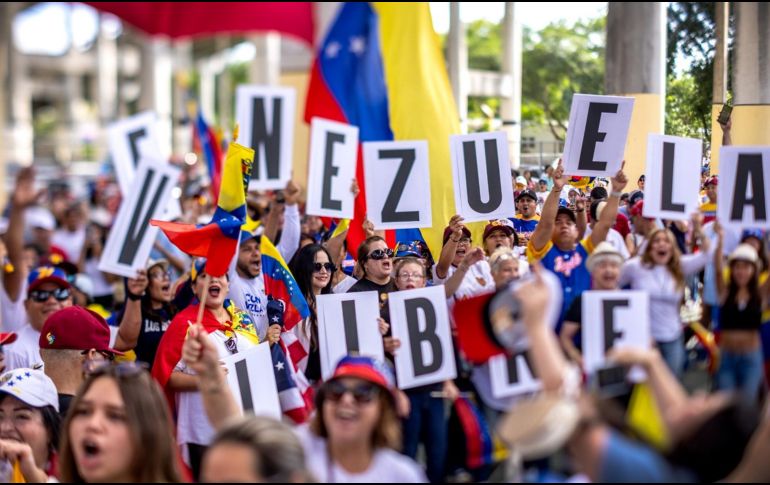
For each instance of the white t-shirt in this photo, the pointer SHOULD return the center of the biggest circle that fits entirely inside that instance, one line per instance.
(387, 466)
(616, 241)
(13, 315)
(249, 294)
(25, 351)
(193, 425)
(101, 286)
(70, 242)
(478, 279)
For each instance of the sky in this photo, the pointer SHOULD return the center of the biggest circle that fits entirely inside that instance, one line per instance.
(54, 19)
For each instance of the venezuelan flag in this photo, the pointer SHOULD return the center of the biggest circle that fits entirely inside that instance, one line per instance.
(210, 148)
(280, 285)
(380, 68)
(218, 240)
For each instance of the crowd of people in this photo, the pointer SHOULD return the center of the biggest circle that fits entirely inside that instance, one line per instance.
(108, 379)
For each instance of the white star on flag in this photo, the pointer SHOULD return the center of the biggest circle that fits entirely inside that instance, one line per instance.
(332, 49)
(357, 45)
(279, 366)
(275, 318)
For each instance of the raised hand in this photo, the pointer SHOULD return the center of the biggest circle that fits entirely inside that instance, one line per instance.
(620, 180)
(291, 193)
(559, 179)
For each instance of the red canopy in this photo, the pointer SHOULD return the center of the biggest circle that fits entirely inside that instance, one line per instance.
(195, 19)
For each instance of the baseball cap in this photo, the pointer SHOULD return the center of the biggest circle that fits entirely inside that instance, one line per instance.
(46, 274)
(520, 180)
(567, 211)
(500, 224)
(198, 267)
(527, 193)
(32, 387)
(602, 251)
(248, 236)
(756, 233)
(151, 263)
(411, 248)
(635, 197)
(83, 283)
(713, 180)
(40, 217)
(367, 369)
(76, 328)
(744, 252)
(637, 209)
(448, 232)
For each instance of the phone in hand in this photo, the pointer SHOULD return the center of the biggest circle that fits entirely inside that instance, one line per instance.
(724, 115)
(611, 381)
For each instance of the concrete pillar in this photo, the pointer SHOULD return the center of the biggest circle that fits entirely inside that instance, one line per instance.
(156, 83)
(182, 142)
(751, 75)
(636, 66)
(225, 91)
(6, 18)
(266, 67)
(106, 75)
(207, 88)
(19, 103)
(510, 109)
(458, 63)
(719, 96)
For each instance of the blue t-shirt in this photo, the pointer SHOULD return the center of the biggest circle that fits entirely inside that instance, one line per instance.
(525, 227)
(569, 266)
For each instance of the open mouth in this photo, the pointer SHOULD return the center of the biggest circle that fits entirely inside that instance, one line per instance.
(346, 415)
(460, 253)
(165, 288)
(214, 291)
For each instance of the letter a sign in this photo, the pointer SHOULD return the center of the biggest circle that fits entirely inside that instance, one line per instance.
(596, 137)
(744, 186)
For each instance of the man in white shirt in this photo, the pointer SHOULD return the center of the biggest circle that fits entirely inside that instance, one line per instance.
(47, 292)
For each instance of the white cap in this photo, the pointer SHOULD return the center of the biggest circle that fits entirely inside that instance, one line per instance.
(84, 284)
(40, 217)
(744, 252)
(101, 217)
(520, 180)
(30, 386)
(601, 251)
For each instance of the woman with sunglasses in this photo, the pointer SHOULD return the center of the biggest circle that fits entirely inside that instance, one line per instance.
(119, 430)
(232, 331)
(312, 268)
(355, 431)
(29, 426)
(375, 259)
(147, 313)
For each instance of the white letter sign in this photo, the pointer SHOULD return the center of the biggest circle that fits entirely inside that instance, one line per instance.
(251, 379)
(744, 186)
(512, 376)
(129, 139)
(673, 177)
(333, 156)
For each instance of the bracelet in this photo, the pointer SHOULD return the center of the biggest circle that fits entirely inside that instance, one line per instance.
(616, 194)
(581, 210)
(455, 240)
(133, 297)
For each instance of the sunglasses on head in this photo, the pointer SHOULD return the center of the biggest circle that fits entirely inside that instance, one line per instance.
(317, 267)
(110, 368)
(380, 254)
(362, 393)
(41, 296)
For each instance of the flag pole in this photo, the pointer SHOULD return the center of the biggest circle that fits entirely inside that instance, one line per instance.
(203, 300)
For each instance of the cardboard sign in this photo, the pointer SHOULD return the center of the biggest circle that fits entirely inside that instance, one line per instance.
(613, 319)
(131, 238)
(420, 319)
(265, 115)
(397, 184)
(481, 171)
(348, 325)
(332, 168)
(252, 381)
(743, 193)
(512, 376)
(129, 139)
(596, 137)
(673, 177)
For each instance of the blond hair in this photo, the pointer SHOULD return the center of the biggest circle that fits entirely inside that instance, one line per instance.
(674, 267)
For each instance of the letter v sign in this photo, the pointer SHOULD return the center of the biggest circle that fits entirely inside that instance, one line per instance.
(141, 215)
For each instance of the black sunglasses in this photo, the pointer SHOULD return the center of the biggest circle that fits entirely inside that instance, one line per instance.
(362, 393)
(380, 254)
(41, 296)
(317, 267)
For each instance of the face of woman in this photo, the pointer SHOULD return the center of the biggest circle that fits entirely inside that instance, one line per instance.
(321, 276)
(229, 463)
(410, 276)
(462, 249)
(606, 274)
(21, 422)
(742, 272)
(378, 269)
(661, 247)
(159, 284)
(218, 288)
(351, 410)
(99, 435)
(497, 239)
(505, 272)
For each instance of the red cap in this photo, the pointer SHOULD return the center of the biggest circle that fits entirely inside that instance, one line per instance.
(713, 180)
(500, 224)
(7, 338)
(448, 232)
(637, 208)
(76, 328)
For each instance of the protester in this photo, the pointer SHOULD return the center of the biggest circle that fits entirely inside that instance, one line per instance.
(462, 268)
(525, 221)
(505, 266)
(375, 259)
(499, 234)
(709, 209)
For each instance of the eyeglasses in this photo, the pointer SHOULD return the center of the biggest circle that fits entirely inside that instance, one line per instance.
(413, 276)
(41, 296)
(107, 355)
(362, 393)
(109, 368)
(317, 267)
(380, 254)
(465, 240)
(159, 275)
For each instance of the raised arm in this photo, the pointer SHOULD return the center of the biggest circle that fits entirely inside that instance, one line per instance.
(131, 324)
(544, 229)
(24, 195)
(610, 212)
(580, 215)
(449, 248)
(727, 139)
(452, 284)
(718, 260)
(290, 234)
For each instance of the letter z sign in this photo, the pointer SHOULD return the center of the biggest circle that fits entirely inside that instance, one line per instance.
(397, 184)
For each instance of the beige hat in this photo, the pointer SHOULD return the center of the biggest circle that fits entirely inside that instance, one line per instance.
(603, 250)
(744, 252)
(539, 427)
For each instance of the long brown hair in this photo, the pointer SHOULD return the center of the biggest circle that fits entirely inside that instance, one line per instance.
(387, 432)
(147, 417)
(673, 264)
(755, 296)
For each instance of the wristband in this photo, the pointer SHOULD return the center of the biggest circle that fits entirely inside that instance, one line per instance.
(133, 297)
(616, 194)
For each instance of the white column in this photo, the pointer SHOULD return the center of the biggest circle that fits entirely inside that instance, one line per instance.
(458, 63)
(510, 109)
(106, 74)
(156, 82)
(6, 18)
(266, 67)
(19, 101)
(182, 70)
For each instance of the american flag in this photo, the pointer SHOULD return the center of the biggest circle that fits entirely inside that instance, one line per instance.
(294, 391)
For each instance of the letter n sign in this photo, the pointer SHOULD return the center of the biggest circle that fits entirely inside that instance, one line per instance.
(265, 115)
(420, 319)
(397, 179)
(744, 186)
(481, 173)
